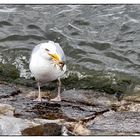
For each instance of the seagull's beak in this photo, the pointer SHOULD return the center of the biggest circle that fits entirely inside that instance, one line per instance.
(55, 57)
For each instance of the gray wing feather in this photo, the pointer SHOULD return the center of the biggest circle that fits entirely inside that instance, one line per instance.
(60, 51)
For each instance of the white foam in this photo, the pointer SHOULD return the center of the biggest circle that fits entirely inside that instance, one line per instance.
(7, 10)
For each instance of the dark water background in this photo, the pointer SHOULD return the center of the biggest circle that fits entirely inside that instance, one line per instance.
(94, 37)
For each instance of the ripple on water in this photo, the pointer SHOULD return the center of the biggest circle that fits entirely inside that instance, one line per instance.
(21, 37)
(103, 36)
(96, 45)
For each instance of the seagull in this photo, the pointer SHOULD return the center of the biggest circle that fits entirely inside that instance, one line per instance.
(47, 63)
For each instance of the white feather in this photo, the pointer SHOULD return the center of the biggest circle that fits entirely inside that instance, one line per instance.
(42, 66)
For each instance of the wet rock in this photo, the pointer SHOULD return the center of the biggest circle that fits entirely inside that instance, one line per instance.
(9, 125)
(88, 97)
(116, 123)
(85, 104)
(77, 128)
(51, 127)
(129, 106)
(134, 107)
(130, 103)
(76, 113)
(7, 91)
(75, 105)
(48, 110)
(17, 126)
(22, 104)
(66, 110)
(136, 89)
(6, 109)
(133, 98)
(33, 131)
(8, 72)
(34, 94)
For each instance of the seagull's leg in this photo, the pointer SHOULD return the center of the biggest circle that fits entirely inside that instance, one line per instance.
(39, 93)
(58, 97)
(39, 98)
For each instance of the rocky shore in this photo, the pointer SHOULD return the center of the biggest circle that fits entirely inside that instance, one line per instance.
(81, 112)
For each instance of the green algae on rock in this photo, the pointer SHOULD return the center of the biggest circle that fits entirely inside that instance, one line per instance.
(8, 72)
(101, 81)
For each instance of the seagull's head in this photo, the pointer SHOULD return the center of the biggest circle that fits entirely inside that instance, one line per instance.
(53, 52)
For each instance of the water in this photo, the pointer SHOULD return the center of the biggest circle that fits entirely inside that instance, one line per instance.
(94, 37)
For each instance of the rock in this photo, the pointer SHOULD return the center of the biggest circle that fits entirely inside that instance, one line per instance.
(48, 110)
(81, 111)
(80, 129)
(34, 94)
(9, 125)
(75, 105)
(131, 107)
(17, 126)
(116, 123)
(6, 109)
(8, 71)
(7, 91)
(46, 121)
(88, 97)
(66, 110)
(76, 113)
(77, 128)
(133, 98)
(51, 127)
(134, 107)
(64, 131)
(33, 131)
(136, 89)
(94, 111)
(85, 104)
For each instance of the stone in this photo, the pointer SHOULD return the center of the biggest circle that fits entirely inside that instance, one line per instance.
(7, 91)
(133, 98)
(48, 110)
(76, 113)
(34, 94)
(136, 89)
(75, 105)
(116, 123)
(93, 109)
(76, 128)
(80, 129)
(33, 131)
(6, 109)
(51, 127)
(88, 97)
(133, 107)
(85, 104)
(17, 126)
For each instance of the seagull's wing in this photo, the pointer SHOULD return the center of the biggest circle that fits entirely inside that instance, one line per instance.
(60, 52)
(36, 48)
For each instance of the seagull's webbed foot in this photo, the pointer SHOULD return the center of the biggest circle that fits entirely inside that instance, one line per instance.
(40, 100)
(56, 99)
(37, 100)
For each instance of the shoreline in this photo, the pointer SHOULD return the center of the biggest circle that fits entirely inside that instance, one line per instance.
(81, 112)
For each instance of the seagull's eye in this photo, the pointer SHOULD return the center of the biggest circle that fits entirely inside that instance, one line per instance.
(46, 49)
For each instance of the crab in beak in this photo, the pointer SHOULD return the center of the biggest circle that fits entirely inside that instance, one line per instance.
(57, 60)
